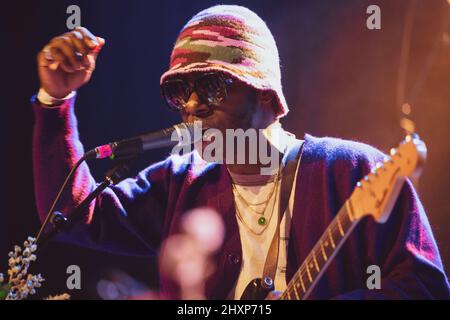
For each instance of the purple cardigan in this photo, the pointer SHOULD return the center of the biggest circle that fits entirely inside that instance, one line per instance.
(136, 215)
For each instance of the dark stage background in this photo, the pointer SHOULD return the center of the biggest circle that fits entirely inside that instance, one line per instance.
(340, 79)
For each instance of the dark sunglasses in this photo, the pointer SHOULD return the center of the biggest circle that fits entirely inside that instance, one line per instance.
(210, 87)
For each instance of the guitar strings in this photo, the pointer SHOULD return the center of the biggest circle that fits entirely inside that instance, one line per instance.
(301, 272)
(309, 259)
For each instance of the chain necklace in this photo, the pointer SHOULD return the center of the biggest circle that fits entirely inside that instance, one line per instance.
(261, 221)
(265, 202)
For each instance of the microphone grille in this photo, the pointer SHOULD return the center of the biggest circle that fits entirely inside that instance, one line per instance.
(186, 132)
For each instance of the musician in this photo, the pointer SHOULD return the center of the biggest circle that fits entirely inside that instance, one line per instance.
(224, 70)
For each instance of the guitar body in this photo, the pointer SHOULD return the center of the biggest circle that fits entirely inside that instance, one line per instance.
(257, 289)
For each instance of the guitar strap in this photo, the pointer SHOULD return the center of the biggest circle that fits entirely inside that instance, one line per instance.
(290, 162)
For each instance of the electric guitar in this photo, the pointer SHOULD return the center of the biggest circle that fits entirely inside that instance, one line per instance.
(373, 195)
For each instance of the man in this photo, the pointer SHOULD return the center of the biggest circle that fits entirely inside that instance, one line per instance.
(224, 71)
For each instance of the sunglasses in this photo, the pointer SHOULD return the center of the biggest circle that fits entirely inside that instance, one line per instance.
(210, 87)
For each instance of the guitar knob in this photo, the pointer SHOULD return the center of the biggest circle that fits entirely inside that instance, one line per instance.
(267, 282)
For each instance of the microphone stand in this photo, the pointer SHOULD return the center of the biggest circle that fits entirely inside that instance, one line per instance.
(63, 223)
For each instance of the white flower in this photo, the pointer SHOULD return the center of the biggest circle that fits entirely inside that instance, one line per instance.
(26, 252)
(21, 282)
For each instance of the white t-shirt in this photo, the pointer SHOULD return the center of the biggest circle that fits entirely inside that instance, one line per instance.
(255, 245)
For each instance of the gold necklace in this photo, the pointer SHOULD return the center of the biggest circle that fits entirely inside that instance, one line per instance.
(248, 205)
(262, 221)
(239, 215)
(255, 204)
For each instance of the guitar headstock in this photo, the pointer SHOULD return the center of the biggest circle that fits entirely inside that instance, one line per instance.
(377, 192)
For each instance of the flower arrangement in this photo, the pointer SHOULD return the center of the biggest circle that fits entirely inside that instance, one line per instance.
(21, 284)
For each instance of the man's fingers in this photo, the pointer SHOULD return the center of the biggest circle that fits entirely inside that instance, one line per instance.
(90, 40)
(60, 58)
(101, 41)
(78, 41)
(94, 43)
(81, 47)
(72, 51)
(64, 44)
(94, 53)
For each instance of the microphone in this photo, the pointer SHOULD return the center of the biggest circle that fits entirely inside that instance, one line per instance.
(181, 134)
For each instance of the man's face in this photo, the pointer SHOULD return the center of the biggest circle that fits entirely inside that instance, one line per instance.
(237, 111)
(244, 108)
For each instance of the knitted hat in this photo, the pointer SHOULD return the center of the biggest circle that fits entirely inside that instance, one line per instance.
(234, 40)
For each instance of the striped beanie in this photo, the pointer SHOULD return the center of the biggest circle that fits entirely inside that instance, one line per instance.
(234, 40)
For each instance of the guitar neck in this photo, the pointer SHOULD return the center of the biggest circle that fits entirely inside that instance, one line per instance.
(375, 194)
(309, 273)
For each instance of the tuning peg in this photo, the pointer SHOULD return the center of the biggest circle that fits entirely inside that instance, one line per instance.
(375, 170)
(378, 166)
(393, 152)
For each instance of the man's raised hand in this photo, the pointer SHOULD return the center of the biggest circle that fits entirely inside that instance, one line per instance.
(67, 61)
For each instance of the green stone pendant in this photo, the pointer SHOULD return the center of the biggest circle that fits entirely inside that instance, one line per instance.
(262, 221)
